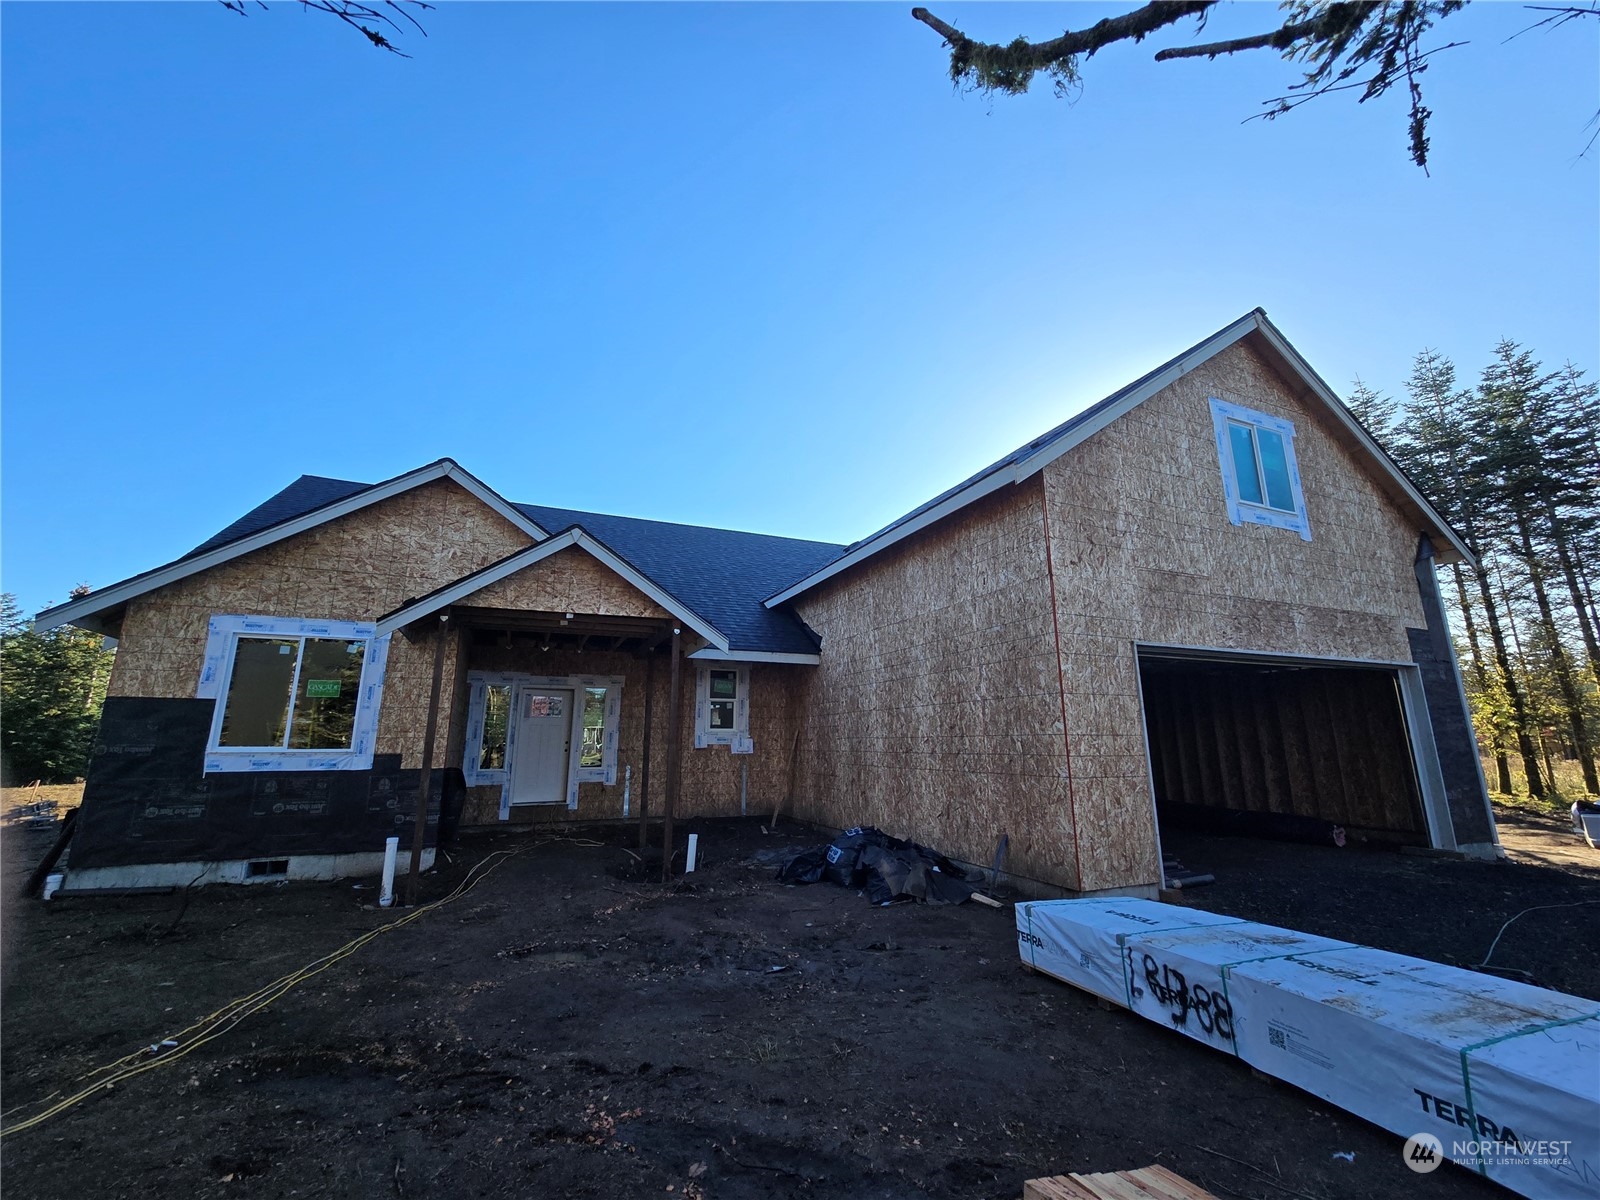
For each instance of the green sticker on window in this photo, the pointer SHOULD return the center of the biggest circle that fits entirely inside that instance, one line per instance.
(322, 688)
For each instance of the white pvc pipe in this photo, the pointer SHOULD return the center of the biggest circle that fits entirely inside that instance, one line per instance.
(694, 849)
(391, 848)
(627, 788)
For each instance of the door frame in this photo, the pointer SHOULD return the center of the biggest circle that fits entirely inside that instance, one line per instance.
(520, 689)
(479, 680)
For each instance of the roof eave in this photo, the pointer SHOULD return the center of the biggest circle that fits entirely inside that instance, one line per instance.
(1451, 547)
(712, 654)
(1032, 464)
(511, 564)
(114, 595)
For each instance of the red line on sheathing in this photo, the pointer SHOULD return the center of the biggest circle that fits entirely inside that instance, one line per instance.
(1061, 682)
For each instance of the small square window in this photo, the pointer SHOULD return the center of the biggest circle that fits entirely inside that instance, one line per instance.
(722, 706)
(1260, 476)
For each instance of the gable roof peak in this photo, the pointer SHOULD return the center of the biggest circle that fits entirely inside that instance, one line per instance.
(1026, 461)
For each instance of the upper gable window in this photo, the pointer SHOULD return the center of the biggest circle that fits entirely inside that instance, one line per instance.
(1260, 475)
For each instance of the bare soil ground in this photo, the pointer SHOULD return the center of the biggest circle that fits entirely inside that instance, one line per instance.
(559, 1031)
(1543, 838)
(20, 802)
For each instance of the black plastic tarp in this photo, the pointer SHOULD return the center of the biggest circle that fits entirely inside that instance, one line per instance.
(891, 870)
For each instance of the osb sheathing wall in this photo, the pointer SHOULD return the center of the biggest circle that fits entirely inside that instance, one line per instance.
(570, 580)
(353, 569)
(403, 719)
(1143, 551)
(710, 777)
(936, 711)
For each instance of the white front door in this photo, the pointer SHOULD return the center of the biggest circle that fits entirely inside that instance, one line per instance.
(542, 744)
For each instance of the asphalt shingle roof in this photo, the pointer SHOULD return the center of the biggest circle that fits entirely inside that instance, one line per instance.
(304, 495)
(723, 575)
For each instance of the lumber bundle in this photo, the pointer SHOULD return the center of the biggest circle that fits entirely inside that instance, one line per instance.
(1147, 1183)
(1505, 1075)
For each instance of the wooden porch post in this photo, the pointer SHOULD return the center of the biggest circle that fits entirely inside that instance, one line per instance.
(674, 753)
(644, 768)
(420, 832)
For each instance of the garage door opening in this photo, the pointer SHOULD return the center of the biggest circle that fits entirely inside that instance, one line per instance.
(1274, 749)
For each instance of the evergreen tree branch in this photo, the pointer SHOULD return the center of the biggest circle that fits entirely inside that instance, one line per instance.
(1378, 40)
(1279, 39)
(1010, 68)
(355, 14)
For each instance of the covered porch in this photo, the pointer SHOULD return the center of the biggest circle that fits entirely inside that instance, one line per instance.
(566, 688)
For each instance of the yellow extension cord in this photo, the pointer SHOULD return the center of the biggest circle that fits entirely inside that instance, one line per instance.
(214, 1025)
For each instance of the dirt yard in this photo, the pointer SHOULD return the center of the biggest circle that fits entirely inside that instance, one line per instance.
(17, 803)
(560, 1031)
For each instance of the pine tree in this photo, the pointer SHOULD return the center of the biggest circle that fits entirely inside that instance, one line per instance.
(1436, 453)
(1570, 494)
(51, 688)
(1525, 460)
(1378, 414)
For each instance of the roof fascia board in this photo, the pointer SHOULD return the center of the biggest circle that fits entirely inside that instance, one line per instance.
(485, 493)
(651, 589)
(128, 589)
(1255, 320)
(975, 491)
(1026, 467)
(509, 566)
(1323, 392)
(1076, 436)
(476, 581)
(120, 593)
(709, 654)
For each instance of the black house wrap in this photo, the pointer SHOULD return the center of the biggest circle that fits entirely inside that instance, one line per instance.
(147, 800)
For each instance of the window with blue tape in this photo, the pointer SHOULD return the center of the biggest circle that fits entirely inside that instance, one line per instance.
(1260, 475)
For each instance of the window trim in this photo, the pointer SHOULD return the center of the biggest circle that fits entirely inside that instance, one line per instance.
(736, 739)
(1241, 511)
(478, 684)
(223, 633)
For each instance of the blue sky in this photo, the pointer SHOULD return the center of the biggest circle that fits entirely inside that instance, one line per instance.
(735, 264)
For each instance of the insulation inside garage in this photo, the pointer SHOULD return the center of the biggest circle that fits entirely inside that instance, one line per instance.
(1280, 750)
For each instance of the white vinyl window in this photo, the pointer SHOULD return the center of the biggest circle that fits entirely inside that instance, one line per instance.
(722, 708)
(1260, 474)
(292, 694)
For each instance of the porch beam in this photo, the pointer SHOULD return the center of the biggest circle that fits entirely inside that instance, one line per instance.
(644, 768)
(674, 754)
(530, 620)
(429, 738)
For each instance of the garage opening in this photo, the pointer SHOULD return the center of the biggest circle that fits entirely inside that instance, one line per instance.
(1274, 749)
